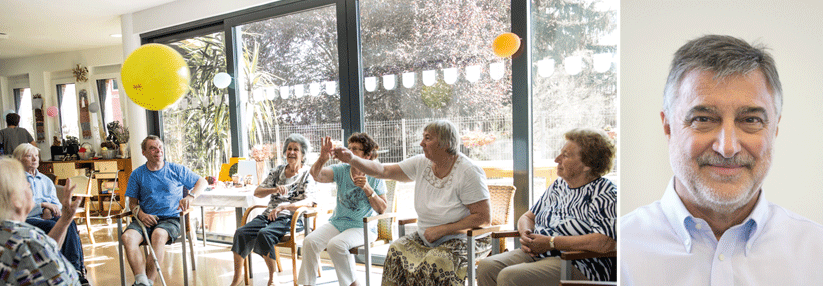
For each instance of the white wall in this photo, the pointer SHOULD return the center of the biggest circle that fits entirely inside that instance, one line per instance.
(43, 70)
(652, 30)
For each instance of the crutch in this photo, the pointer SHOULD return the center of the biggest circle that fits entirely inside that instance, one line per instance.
(151, 249)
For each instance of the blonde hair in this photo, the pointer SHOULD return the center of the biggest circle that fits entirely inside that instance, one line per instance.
(12, 185)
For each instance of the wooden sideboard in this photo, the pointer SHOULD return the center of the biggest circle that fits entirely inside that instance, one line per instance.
(48, 167)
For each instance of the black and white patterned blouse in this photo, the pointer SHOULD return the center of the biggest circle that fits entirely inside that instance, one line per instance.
(563, 211)
(301, 186)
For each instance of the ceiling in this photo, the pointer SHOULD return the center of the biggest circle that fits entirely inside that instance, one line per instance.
(36, 27)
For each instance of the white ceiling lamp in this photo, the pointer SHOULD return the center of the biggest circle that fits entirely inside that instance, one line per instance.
(408, 79)
(314, 89)
(496, 70)
(573, 65)
(331, 87)
(298, 91)
(370, 83)
(284, 92)
(472, 73)
(602, 62)
(545, 67)
(389, 81)
(450, 75)
(429, 77)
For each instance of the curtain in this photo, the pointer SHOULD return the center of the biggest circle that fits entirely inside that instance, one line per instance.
(60, 89)
(102, 92)
(18, 94)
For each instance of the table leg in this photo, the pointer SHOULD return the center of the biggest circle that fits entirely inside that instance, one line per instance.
(203, 223)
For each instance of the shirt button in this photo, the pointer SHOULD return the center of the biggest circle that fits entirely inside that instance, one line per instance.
(721, 257)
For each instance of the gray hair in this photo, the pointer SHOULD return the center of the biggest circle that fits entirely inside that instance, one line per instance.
(725, 56)
(23, 150)
(446, 133)
(12, 187)
(305, 147)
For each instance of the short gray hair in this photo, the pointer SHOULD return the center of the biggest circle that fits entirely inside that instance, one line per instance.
(23, 150)
(305, 147)
(725, 56)
(446, 133)
(12, 185)
(145, 141)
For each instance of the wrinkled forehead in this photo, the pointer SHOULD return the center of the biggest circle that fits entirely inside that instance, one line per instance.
(154, 144)
(704, 90)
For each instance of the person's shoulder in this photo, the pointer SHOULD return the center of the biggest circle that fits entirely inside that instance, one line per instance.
(789, 219)
(650, 215)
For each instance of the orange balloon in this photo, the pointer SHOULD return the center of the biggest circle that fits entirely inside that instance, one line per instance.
(506, 44)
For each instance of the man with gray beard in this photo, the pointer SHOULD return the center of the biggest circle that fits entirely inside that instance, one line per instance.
(714, 226)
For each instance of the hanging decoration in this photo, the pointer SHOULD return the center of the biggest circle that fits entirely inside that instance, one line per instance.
(506, 44)
(85, 119)
(80, 73)
(52, 111)
(155, 76)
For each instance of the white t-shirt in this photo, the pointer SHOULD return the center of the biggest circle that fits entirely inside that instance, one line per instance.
(441, 201)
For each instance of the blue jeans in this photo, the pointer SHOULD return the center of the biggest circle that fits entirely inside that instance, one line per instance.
(261, 235)
(72, 248)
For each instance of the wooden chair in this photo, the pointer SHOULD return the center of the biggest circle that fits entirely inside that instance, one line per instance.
(568, 257)
(83, 189)
(292, 240)
(186, 235)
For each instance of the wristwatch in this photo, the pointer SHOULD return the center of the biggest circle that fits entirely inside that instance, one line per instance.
(192, 196)
(551, 242)
(373, 194)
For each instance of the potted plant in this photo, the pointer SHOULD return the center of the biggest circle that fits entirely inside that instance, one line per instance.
(118, 135)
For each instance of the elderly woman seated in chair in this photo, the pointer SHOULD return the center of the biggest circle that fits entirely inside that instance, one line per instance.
(290, 187)
(450, 197)
(358, 196)
(28, 255)
(577, 212)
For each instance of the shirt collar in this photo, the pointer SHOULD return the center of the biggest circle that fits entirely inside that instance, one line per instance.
(680, 219)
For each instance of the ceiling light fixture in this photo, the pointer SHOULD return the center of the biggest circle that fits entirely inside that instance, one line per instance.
(116, 35)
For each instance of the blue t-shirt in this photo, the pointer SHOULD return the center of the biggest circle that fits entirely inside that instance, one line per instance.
(159, 192)
(352, 203)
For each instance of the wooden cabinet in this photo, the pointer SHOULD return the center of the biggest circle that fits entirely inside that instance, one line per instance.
(65, 169)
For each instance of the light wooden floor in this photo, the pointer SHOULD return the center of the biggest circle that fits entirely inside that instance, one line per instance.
(214, 263)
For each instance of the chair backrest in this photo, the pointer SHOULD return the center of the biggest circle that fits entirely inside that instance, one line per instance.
(502, 199)
(384, 226)
(82, 186)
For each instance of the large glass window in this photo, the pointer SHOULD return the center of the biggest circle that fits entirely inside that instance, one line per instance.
(68, 110)
(574, 76)
(110, 96)
(196, 128)
(24, 109)
(289, 82)
(426, 60)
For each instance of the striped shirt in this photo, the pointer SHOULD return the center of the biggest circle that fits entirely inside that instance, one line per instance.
(563, 211)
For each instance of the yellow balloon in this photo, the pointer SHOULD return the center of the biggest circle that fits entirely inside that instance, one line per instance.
(506, 44)
(155, 76)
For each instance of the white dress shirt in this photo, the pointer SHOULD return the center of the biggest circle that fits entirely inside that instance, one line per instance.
(663, 244)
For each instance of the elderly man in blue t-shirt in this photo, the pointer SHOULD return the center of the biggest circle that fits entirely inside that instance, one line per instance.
(157, 187)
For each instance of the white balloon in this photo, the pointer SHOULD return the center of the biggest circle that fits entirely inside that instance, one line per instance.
(94, 107)
(222, 80)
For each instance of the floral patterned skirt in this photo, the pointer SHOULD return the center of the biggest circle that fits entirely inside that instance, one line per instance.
(410, 262)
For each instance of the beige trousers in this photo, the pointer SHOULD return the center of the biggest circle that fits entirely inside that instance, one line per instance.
(518, 268)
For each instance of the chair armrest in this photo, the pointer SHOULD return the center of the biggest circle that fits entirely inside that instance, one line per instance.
(576, 255)
(406, 221)
(380, 216)
(504, 234)
(122, 215)
(482, 230)
(246, 214)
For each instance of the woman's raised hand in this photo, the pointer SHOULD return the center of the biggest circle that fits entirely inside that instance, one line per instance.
(325, 148)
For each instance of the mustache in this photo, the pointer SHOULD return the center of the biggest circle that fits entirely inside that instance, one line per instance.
(713, 159)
